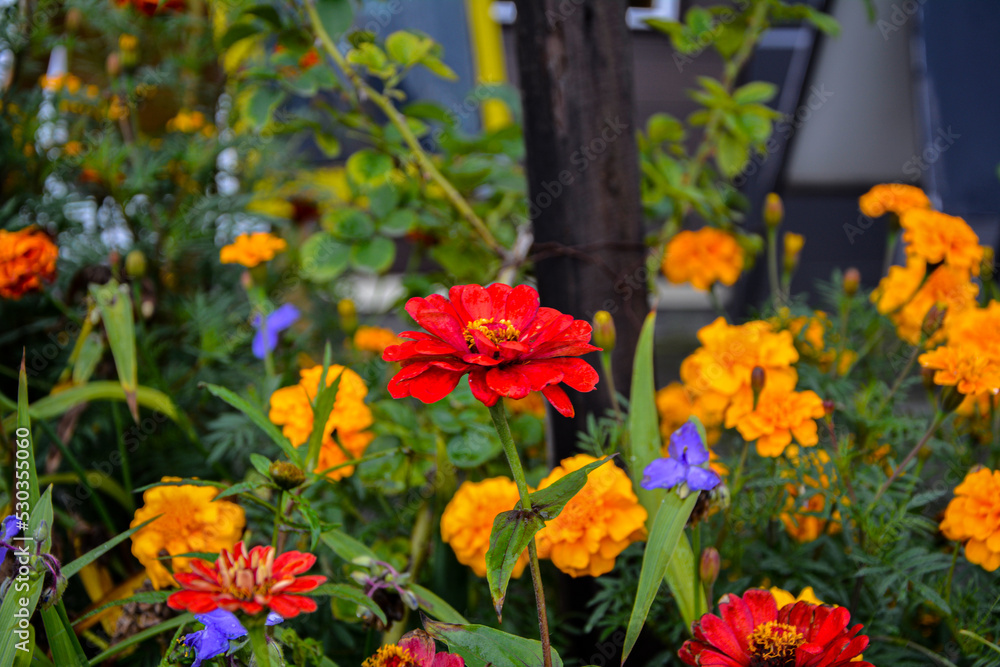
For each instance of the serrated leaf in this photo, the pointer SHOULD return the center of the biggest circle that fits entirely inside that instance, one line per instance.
(257, 417)
(512, 532)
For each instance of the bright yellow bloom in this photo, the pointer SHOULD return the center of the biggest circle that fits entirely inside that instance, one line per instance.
(973, 517)
(467, 521)
(780, 415)
(391, 655)
(906, 297)
(27, 259)
(374, 339)
(721, 367)
(186, 121)
(896, 288)
(965, 368)
(596, 525)
(703, 258)
(784, 598)
(978, 328)
(191, 522)
(252, 249)
(936, 237)
(892, 198)
(792, 244)
(291, 408)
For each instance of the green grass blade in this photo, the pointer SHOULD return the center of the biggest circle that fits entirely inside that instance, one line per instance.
(115, 306)
(86, 559)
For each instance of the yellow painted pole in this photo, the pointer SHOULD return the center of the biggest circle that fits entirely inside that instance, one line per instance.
(487, 47)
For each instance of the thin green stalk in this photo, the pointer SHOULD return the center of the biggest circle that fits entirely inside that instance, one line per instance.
(399, 122)
(606, 364)
(716, 302)
(935, 423)
(123, 452)
(777, 296)
(277, 522)
(258, 642)
(899, 379)
(499, 415)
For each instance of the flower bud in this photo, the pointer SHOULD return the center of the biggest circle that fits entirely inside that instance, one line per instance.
(135, 264)
(74, 17)
(933, 320)
(927, 378)
(828, 407)
(709, 567)
(950, 399)
(113, 65)
(286, 475)
(128, 49)
(792, 244)
(604, 330)
(774, 210)
(988, 258)
(852, 281)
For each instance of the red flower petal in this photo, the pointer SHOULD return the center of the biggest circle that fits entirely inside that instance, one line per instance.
(559, 400)
(521, 306)
(539, 375)
(420, 647)
(443, 325)
(762, 606)
(481, 390)
(290, 606)
(433, 384)
(739, 617)
(477, 302)
(508, 382)
(305, 584)
(577, 373)
(292, 563)
(721, 636)
(196, 602)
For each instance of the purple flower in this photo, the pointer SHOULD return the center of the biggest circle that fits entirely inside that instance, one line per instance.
(686, 462)
(267, 333)
(8, 529)
(221, 627)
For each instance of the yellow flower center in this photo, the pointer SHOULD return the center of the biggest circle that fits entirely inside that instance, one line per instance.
(390, 656)
(773, 645)
(496, 332)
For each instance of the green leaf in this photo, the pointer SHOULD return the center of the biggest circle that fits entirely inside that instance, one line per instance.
(86, 559)
(91, 351)
(266, 12)
(65, 647)
(350, 223)
(407, 48)
(336, 16)
(399, 222)
(436, 65)
(668, 526)
(322, 407)
(261, 104)
(731, 154)
(237, 32)
(56, 404)
(257, 417)
(368, 167)
(351, 594)
(754, 92)
(373, 58)
(25, 441)
(324, 257)
(9, 623)
(662, 127)
(496, 648)
(376, 254)
(346, 546)
(115, 306)
(550, 501)
(471, 449)
(140, 637)
(435, 606)
(689, 597)
(261, 464)
(242, 487)
(512, 532)
(328, 143)
(643, 420)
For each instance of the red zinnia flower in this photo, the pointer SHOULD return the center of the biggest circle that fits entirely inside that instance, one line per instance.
(248, 582)
(501, 338)
(754, 633)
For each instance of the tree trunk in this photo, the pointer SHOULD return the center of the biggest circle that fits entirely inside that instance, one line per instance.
(575, 64)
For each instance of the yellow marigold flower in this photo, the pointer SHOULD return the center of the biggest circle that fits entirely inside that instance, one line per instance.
(973, 517)
(937, 237)
(191, 522)
(252, 249)
(978, 328)
(291, 407)
(374, 339)
(703, 258)
(892, 198)
(186, 121)
(467, 521)
(906, 296)
(969, 370)
(804, 517)
(896, 288)
(792, 244)
(596, 525)
(784, 598)
(27, 259)
(780, 415)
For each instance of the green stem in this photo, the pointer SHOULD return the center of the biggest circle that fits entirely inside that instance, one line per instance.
(899, 379)
(277, 522)
(399, 122)
(606, 364)
(499, 415)
(716, 302)
(258, 642)
(935, 423)
(777, 296)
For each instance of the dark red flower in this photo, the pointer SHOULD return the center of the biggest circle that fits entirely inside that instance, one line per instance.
(248, 581)
(753, 632)
(501, 338)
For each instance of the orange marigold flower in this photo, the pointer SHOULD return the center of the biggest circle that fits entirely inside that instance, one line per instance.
(675, 407)
(805, 517)
(467, 521)
(252, 249)
(969, 370)
(190, 522)
(374, 339)
(946, 287)
(937, 237)
(291, 408)
(892, 198)
(703, 258)
(721, 367)
(896, 288)
(780, 415)
(978, 328)
(597, 523)
(27, 259)
(973, 517)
